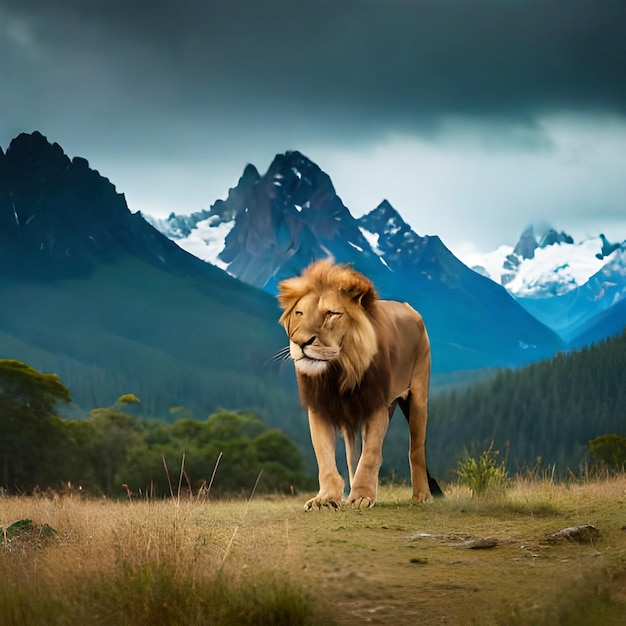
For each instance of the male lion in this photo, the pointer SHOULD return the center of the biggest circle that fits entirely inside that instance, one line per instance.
(356, 357)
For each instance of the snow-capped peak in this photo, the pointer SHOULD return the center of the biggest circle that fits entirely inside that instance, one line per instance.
(552, 266)
(556, 269)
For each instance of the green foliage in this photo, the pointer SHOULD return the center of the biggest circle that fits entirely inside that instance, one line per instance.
(114, 434)
(547, 410)
(485, 474)
(114, 452)
(128, 398)
(154, 458)
(29, 425)
(609, 450)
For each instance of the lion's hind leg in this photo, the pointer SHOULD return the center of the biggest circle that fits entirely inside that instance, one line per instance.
(415, 407)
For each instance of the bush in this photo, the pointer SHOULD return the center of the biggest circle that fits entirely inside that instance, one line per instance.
(609, 450)
(485, 474)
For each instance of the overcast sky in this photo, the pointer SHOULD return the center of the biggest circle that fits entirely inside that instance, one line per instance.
(473, 118)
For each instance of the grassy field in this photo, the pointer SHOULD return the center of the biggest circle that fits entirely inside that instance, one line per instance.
(458, 560)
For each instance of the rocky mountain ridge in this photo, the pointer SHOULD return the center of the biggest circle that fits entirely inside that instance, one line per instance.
(538, 272)
(273, 225)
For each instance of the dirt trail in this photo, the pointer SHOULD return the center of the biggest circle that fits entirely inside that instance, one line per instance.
(438, 564)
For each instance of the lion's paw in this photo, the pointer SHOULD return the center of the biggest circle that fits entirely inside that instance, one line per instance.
(422, 498)
(318, 503)
(362, 503)
(362, 498)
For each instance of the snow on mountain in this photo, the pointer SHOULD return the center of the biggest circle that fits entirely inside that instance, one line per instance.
(557, 269)
(597, 303)
(489, 264)
(569, 286)
(552, 266)
(206, 241)
(203, 238)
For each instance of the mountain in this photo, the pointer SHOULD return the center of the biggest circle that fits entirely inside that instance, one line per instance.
(545, 263)
(608, 323)
(94, 293)
(569, 286)
(271, 226)
(276, 224)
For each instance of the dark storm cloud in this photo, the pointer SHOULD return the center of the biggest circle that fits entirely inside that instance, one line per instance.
(384, 65)
(458, 111)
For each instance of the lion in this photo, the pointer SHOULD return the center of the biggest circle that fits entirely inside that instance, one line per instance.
(356, 357)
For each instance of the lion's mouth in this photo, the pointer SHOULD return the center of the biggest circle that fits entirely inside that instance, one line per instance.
(312, 360)
(319, 353)
(310, 366)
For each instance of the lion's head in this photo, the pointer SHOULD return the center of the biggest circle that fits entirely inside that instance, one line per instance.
(328, 316)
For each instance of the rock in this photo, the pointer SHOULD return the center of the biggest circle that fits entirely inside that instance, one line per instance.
(584, 533)
(460, 541)
(480, 544)
(526, 246)
(418, 561)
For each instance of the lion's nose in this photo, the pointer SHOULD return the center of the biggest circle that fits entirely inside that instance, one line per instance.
(308, 342)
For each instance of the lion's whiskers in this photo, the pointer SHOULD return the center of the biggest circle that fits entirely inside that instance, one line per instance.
(282, 355)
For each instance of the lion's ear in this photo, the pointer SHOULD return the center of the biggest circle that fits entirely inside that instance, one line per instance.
(289, 292)
(360, 290)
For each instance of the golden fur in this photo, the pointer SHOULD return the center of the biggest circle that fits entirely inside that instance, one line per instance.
(356, 357)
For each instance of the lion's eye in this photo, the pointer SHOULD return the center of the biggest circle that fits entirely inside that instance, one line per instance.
(298, 313)
(333, 314)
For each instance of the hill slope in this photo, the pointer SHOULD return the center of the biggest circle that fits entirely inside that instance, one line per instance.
(548, 410)
(98, 296)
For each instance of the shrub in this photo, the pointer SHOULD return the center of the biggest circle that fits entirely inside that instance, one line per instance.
(609, 450)
(483, 474)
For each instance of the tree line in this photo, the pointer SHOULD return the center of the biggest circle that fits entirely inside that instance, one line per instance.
(562, 412)
(113, 451)
(544, 413)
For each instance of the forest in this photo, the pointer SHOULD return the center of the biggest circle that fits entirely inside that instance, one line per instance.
(561, 414)
(115, 452)
(542, 414)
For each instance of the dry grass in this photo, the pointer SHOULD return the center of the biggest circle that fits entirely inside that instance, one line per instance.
(140, 563)
(268, 562)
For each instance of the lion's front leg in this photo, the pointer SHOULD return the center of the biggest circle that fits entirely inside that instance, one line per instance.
(324, 438)
(364, 487)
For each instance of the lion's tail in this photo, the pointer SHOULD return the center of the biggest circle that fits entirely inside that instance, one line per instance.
(433, 485)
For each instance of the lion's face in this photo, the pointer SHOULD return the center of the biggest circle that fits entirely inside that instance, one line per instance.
(317, 326)
(327, 320)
